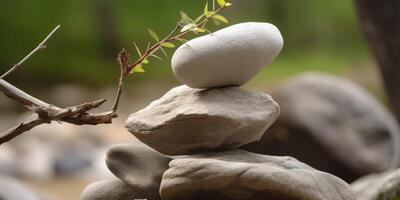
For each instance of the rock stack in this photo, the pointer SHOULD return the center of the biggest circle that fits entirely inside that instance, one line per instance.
(195, 130)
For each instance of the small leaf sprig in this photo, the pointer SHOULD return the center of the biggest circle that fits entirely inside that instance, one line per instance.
(79, 114)
(184, 27)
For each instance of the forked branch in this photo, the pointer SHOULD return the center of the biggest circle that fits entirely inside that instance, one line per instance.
(182, 29)
(45, 112)
(78, 114)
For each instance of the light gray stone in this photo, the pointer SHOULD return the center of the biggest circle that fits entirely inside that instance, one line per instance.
(243, 175)
(111, 190)
(230, 56)
(12, 189)
(384, 186)
(328, 117)
(138, 166)
(186, 120)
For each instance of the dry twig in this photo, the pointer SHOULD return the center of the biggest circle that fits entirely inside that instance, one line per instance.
(41, 46)
(44, 112)
(78, 114)
(176, 34)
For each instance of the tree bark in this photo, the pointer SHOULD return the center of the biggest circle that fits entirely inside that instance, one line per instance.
(380, 22)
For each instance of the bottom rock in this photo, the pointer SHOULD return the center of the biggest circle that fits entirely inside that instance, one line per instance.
(243, 175)
(111, 190)
(385, 186)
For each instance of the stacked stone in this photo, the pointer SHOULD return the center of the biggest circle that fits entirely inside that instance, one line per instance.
(195, 130)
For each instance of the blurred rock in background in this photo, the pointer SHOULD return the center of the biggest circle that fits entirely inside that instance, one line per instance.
(378, 186)
(12, 189)
(333, 125)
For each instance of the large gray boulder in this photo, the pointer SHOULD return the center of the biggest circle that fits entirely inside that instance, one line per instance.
(243, 175)
(187, 121)
(230, 56)
(330, 119)
(112, 190)
(138, 166)
(384, 186)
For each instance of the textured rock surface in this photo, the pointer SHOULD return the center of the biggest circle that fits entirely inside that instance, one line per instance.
(138, 166)
(327, 118)
(230, 56)
(243, 175)
(11, 189)
(187, 120)
(111, 190)
(385, 186)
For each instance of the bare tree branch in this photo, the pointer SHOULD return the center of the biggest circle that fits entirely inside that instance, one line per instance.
(20, 96)
(78, 115)
(124, 57)
(45, 112)
(41, 46)
(21, 128)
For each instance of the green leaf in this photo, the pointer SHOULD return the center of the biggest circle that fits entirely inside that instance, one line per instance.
(145, 61)
(206, 12)
(188, 27)
(182, 40)
(208, 31)
(220, 18)
(199, 30)
(197, 20)
(148, 46)
(137, 69)
(221, 3)
(137, 49)
(216, 22)
(154, 35)
(168, 45)
(204, 24)
(185, 19)
(165, 53)
(155, 56)
(213, 7)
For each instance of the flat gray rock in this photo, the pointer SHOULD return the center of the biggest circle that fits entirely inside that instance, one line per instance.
(138, 166)
(111, 190)
(384, 186)
(187, 121)
(12, 189)
(243, 175)
(230, 56)
(325, 117)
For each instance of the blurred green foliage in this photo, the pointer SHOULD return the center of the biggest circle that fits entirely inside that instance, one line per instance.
(319, 35)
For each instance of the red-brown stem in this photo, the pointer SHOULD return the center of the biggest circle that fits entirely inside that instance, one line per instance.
(150, 51)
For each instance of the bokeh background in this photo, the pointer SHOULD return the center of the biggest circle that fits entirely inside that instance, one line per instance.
(80, 65)
(319, 35)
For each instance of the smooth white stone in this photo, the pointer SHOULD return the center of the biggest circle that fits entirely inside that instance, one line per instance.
(229, 57)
